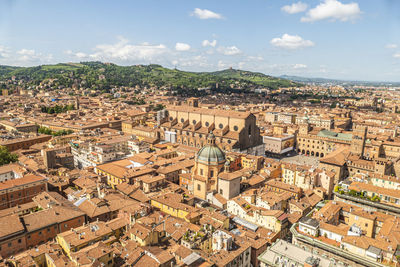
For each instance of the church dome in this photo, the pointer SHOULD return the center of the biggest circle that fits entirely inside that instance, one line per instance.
(211, 153)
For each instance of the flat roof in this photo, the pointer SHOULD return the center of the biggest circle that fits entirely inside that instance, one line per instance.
(245, 223)
(281, 250)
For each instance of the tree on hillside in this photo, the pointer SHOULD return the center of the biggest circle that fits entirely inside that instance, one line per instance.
(7, 157)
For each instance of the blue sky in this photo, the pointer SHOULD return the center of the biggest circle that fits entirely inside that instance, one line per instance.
(343, 39)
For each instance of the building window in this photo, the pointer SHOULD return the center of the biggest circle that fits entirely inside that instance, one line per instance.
(40, 233)
(182, 120)
(212, 173)
(19, 241)
(9, 244)
(235, 128)
(194, 122)
(201, 171)
(220, 191)
(198, 187)
(207, 124)
(221, 126)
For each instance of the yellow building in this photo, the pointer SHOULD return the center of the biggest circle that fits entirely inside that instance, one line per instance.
(252, 162)
(81, 237)
(171, 204)
(118, 172)
(364, 220)
(144, 235)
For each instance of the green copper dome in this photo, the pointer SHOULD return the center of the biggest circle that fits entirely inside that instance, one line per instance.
(211, 153)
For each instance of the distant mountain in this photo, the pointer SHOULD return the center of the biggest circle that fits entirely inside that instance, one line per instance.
(336, 81)
(106, 75)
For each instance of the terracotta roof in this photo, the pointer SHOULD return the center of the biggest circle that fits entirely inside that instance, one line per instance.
(10, 225)
(27, 179)
(213, 112)
(47, 217)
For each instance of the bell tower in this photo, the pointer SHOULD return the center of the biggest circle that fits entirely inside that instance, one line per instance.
(358, 141)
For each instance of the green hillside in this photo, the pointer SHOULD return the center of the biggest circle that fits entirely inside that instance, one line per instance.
(104, 76)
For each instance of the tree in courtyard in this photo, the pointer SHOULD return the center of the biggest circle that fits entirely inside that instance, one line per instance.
(7, 157)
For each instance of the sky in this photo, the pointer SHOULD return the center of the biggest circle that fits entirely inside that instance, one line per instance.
(340, 39)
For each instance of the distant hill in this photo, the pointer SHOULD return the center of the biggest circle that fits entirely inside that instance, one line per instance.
(105, 75)
(336, 81)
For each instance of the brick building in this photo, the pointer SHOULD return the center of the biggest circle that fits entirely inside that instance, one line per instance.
(24, 143)
(20, 191)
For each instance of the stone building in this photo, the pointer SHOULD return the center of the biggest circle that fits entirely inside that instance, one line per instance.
(210, 161)
(212, 179)
(233, 130)
(319, 143)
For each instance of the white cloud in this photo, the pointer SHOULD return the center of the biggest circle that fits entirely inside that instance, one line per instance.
(295, 8)
(4, 52)
(391, 46)
(333, 10)
(193, 61)
(212, 43)
(255, 58)
(79, 55)
(205, 14)
(229, 50)
(182, 47)
(291, 42)
(30, 56)
(299, 66)
(123, 51)
(222, 65)
(26, 52)
(397, 55)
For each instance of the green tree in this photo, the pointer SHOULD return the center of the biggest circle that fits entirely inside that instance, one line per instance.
(7, 157)
(159, 107)
(376, 198)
